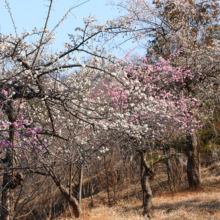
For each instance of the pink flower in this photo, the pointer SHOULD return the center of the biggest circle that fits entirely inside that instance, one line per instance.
(4, 92)
(44, 145)
(22, 156)
(16, 134)
(4, 126)
(39, 129)
(39, 150)
(20, 106)
(20, 116)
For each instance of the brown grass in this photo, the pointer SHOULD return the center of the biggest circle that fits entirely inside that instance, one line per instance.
(198, 205)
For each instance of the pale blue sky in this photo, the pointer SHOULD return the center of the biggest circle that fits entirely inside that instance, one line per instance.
(28, 14)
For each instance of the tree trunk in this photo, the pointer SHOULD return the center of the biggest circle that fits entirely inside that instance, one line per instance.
(170, 170)
(91, 192)
(80, 182)
(179, 165)
(126, 164)
(70, 180)
(170, 174)
(199, 160)
(72, 201)
(8, 178)
(6, 210)
(65, 192)
(192, 165)
(146, 172)
(107, 180)
(114, 193)
(90, 185)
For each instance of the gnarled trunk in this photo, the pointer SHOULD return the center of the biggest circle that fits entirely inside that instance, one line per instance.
(146, 173)
(65, 192)
(192, 165)
(72, 201)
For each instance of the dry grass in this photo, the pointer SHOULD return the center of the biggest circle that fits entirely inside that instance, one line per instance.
(198, 205)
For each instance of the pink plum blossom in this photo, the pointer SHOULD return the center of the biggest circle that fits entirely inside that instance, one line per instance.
(4, 92)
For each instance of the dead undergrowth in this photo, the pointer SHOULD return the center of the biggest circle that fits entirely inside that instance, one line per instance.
(201, 204)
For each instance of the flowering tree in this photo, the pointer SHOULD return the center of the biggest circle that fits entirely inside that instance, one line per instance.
(146, 102)
(57, 108)
(46, 111)
(166, 26)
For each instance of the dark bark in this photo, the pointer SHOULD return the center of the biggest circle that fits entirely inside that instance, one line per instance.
(8, 178)
(5, 215)
(192, 165)
(146, 173)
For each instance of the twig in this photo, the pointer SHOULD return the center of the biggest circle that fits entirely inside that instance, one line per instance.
(41, 40)
(165, 158)
(9, 10)
(64, 17)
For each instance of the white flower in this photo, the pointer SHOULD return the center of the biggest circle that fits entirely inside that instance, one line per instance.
(124, 125)
(151, 98)
(113, 74)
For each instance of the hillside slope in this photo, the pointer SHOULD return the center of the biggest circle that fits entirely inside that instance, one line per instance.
(184, 204)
